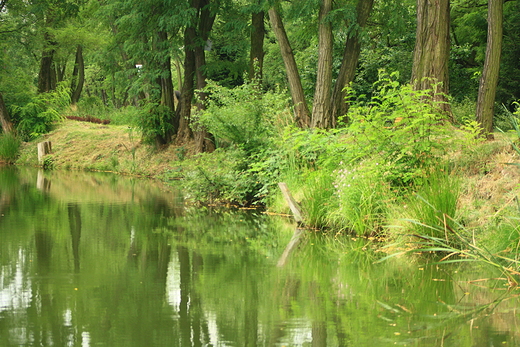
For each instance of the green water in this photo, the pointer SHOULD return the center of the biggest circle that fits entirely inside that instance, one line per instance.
(101, 260)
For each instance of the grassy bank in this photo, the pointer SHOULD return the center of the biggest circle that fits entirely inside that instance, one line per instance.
(394, 170)
(487, 185)
(80, 145)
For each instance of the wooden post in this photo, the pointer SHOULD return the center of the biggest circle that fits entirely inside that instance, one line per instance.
(44, 148)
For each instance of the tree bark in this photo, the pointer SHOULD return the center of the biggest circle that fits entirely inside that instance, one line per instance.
(78, 76)
(432, 49)
(321, 115)
(183, 112)
(256, 55)
(302, 114)
(5, 119)
(204, 141)
(165, 83)
(47, 73)
(489, 79)
(350, 61)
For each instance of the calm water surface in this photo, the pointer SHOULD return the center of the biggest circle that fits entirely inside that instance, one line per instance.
(101, 260)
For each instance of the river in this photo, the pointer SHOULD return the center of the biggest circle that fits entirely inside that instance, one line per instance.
(95, 259)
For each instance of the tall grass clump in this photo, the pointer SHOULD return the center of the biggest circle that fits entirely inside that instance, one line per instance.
(318, 199)
(9, 147)
(462, 247)
(41, 112)
(435, 204)
(363, 199)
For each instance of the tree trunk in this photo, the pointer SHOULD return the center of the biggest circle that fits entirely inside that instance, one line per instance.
(183, 112)
(47, 74)
(489, 79)
(321, 115)
(5, 120)
(204, 141)
(302, 115)
(78, 76)
(432, 49)
(350, 61)
(256, 55)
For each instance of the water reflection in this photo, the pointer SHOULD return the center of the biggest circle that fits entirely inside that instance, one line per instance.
(102, 260)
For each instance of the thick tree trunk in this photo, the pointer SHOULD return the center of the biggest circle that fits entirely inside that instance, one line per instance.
(432, 49)
(489, 79)
(204, 141)
(5, 120)
(302, 114)
(256, 55)
(350, 61)
(47, 74)
(78, 76)
(321, 115)
(183, 112)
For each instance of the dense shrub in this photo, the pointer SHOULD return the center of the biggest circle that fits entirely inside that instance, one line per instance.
(38, 115)
(243, 116)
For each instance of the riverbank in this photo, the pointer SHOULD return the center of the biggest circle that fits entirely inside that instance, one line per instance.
(89, 146)
(488, 184)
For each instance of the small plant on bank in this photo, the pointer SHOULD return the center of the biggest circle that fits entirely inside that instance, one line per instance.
(462, 247)
(9, 147)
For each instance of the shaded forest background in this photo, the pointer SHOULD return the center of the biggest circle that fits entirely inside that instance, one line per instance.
(128, 56)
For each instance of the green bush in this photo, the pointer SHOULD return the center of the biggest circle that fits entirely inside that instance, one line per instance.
(9, 147)
(37, 116)
(218, 177)
(243, 116)
(398, 127)
(156, 124)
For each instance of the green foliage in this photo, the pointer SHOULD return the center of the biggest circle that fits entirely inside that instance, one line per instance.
(9, 147)
(318, 199)
(38, 115)
(218, 177)
(435, 204)
(399, 128)
(514, 119)
(242, 116)
(155, 123)
(363, 199)
(92, 106)
(48, 162)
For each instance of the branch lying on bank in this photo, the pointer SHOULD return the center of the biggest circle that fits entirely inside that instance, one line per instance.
(297, 214)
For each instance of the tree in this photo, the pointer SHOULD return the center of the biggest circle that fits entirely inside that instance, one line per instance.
(256, 56)
(321, 116)
(5, 120)
(350, 60)
(432, 47)
(196, 37)
(301, 110)
(328, 105)
(489, 79)
(78, 76)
